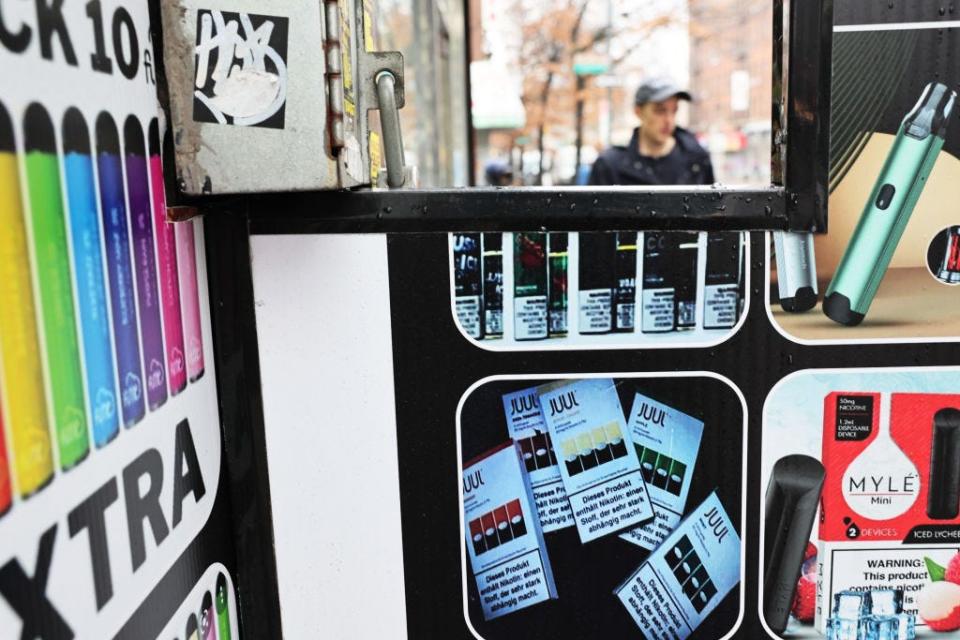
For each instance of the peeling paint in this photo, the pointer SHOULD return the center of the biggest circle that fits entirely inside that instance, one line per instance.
(178, 56)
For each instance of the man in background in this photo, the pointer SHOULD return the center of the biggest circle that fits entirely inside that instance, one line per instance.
(660, 152)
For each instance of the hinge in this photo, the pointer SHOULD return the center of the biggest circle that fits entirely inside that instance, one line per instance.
(334, 75)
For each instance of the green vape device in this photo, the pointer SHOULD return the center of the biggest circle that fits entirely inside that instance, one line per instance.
(888, 210)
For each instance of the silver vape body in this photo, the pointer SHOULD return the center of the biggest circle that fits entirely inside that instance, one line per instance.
(796, 270)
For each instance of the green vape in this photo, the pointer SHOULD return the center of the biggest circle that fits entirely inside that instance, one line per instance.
(904, 174)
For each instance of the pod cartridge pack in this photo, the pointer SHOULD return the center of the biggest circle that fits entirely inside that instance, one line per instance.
(885, 216)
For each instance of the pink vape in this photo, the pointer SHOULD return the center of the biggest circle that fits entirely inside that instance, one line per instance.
(189, 298)
(167, 270)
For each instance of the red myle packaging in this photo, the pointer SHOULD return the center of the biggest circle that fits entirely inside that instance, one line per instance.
(877, 455)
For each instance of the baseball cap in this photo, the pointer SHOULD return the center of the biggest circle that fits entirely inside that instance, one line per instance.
(658, 90)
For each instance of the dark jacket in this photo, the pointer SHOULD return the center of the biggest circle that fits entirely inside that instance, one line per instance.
(688, 163)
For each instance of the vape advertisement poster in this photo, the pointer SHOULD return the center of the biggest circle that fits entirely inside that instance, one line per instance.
(597, 290)
(667, 443)
(687, 576)
(527, 428)
(884, 268)
(505, 542)
(888, 523)
(600, 471)
(110, 449)
(586, 567)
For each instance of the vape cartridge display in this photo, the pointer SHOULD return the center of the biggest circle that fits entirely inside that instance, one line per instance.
(796, 270)
(597, 271)
(526, 427)
(686, 252)
(493, 285)
(793, 495)
(587, 427)
(667, 443)
(530, 286)
(949, 270)
(502, 539)
(468, 282)
(658, 295)
(625, 293)
(888, 209)
(557, 264)
(721, 294)
(686, 577)
(943, 489)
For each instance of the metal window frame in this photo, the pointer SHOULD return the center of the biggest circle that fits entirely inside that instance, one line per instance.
(795, 200)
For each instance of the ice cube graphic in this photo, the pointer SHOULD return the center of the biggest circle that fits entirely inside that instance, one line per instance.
(851, 605)
(886, 602)
(844, 628)
(899, 627)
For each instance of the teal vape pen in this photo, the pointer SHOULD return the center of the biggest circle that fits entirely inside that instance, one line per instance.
(898, 187)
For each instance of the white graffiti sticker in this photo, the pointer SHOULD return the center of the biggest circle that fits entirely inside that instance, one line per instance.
(241, 69)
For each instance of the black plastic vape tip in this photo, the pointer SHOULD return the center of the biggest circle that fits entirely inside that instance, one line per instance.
(793, 495)
(943, 493)
(803, 300)
(932, 113)
(836, 306)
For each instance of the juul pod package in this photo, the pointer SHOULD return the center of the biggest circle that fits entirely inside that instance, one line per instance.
(674, 591)
(667, 442)
(600, 472)
(504, 540)
(526, 427)
(891, 502)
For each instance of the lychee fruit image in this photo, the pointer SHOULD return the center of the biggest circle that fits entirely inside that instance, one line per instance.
(938, 604)
(805, 601)
(953, 570)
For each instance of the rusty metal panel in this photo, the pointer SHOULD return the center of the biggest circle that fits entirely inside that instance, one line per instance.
(248, 96)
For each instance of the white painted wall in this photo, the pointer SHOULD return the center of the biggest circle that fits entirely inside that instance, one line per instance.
(326, 358)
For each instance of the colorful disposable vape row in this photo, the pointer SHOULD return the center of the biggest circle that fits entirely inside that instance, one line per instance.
(58, 324)
(24, 403)
(67, 326)
(167, 270)
(213, 621)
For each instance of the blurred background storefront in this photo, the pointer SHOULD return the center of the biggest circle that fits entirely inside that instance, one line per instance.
(522, 81)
